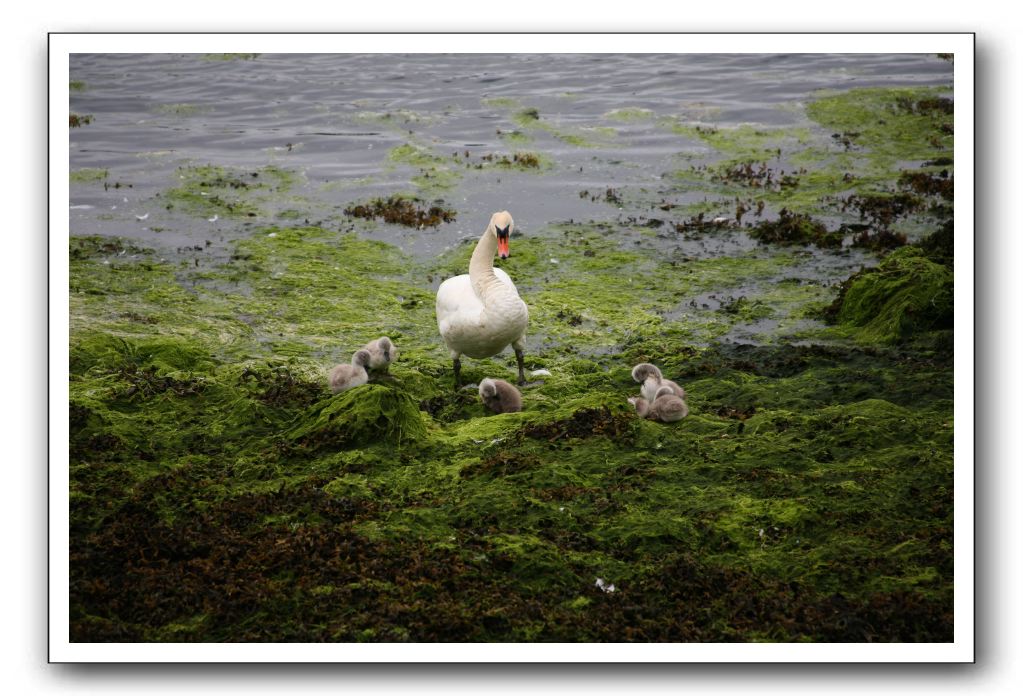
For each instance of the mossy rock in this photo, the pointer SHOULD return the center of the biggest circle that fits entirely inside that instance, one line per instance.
(905, 295)
(160, 354)
(363, 415)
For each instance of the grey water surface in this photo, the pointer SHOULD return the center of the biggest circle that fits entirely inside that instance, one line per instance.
(333, 118)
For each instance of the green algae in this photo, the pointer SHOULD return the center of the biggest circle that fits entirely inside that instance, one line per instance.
(435, 173)
(515, 137)
(179, 109)
(76, 86)
(371, 413)
(212, 190)
(629, 114)
(409, 153)
(853, 144)
(905, 295)
(529, 121)
(500, 102)
(88, 175)
(892, 123)
(529, 507)
(743, 142)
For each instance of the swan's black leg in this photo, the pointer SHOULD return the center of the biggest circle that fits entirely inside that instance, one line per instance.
(458, 373)
(522, 374)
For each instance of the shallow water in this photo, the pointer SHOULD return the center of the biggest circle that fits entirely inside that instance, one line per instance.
(334, 119)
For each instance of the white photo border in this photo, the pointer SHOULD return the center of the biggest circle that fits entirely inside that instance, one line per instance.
(960, 650)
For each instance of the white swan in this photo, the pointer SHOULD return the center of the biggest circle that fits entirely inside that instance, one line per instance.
(480, 313)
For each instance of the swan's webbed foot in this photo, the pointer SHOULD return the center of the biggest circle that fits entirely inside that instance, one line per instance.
(522, 374)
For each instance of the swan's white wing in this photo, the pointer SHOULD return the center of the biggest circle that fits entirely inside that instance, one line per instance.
(454, 295)
(506, 279)
(456, 302)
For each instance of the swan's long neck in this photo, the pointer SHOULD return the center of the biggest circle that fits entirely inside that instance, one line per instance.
(485, 283)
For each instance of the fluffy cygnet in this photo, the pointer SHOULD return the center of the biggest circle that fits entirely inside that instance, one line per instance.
(666, 407)
(500, 396)
(652, 380)
(382, 352)
(344, 377)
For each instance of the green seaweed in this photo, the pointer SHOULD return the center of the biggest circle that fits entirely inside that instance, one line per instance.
(435, 173)
(893, 123)
(905, 295)
(529, 120)
(212, 190)
(629, 114)
(88, 175)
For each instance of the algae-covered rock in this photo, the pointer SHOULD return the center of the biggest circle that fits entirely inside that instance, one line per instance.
(905, 295)
(160, 354)
(367, 414)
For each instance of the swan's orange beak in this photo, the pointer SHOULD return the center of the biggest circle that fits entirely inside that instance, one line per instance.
(502, 242)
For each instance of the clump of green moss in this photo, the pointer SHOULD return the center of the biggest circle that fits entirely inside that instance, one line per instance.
(370, 413)
(905, 295)
(79, 120)
(795, 228)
